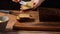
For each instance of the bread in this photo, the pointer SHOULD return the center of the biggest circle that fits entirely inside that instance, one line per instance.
(23, 16)
(28, 5)
(23, 7)
(1, 21)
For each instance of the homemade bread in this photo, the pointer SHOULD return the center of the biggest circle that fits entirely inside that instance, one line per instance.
(23, 16)
(28, 5)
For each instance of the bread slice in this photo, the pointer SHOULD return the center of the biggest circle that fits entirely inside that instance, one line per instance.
(28, 5)
(23, 16)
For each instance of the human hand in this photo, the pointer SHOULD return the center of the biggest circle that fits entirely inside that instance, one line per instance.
(37, 3)
(16, 0)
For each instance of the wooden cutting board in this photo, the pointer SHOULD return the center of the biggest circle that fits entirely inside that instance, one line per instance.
(34, 26)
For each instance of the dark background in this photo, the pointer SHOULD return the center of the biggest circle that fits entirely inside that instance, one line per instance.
(51, 4)
(9, 5)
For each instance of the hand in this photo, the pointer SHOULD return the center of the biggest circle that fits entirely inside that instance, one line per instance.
(37, 3)
(16, 0)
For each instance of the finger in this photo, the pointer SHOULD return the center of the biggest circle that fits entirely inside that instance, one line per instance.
(21, 11)
(18, 0)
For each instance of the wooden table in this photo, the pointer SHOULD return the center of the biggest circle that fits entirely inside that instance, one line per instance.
(12, 19)
(13, 23)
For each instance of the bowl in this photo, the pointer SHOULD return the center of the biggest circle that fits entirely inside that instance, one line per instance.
(3, 22)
